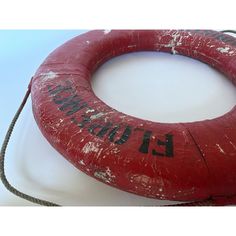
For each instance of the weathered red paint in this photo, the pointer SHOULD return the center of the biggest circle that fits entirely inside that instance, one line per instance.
(180, 161)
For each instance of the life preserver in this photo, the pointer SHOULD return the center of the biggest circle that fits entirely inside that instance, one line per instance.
(179, 161)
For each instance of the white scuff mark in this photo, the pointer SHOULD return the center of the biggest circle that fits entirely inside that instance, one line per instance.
(220, 148)
(122, 117)
(225, 50)
(143, 180)
(99, 153)
(106, 175)
(203, 153)
(176, 41)
(79, 131)
(60, 121)
(82, 140)
(90, 147)
(115, 150)
(48, 75)
(108, 172)
(89, 110)
(96, 116)
(100, 175)
(233, 145)
(106, 31)
(132, 46)
(160, 189)
(82, 163)
(185, 137)
(88, 42)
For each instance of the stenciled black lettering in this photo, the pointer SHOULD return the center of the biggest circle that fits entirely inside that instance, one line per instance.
(81, 124)
(93, 127)
(104, 130)
(69, 102)
(72, 104)
(112, 133)
(146, 141)
(226, 39)
(59, 100)
(59, 89)
(210, 33)
(124, 137)
(223, 38)
(168, 143)
(99, 130)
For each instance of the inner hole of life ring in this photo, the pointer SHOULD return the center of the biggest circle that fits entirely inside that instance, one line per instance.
(162, 87)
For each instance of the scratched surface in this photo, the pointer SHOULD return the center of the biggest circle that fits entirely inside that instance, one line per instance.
(180, 161)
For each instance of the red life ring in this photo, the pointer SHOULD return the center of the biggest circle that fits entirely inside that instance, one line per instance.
(179, 161)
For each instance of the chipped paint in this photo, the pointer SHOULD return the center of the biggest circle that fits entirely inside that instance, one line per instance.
(106, 175)
(122, 117)
(90, 147)
(143, 180)
(223, 50)
(81, 162)
(226, 50)
(176, 41)
(89, 110)
(115, 150)
(93, 117)
(59, 122)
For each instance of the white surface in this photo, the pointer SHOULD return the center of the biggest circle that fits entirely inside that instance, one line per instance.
(154, 86)
(163, 87)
